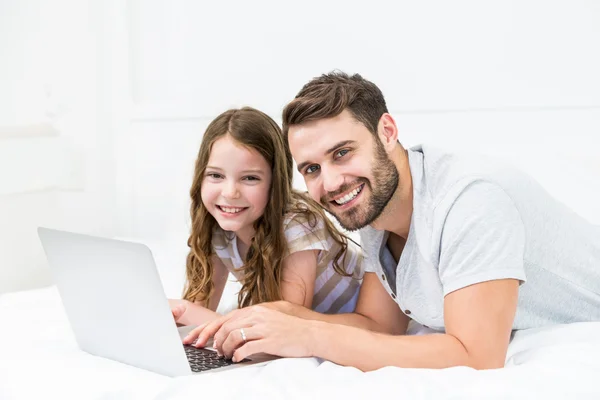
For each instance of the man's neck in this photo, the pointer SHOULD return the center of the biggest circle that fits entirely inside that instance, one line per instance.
(397, 214)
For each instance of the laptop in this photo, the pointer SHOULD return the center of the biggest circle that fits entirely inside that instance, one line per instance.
(117, 308)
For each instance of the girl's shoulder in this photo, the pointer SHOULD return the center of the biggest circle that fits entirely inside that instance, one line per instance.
(301, 216)
(219, 240)
(307, 230)
(303, 227)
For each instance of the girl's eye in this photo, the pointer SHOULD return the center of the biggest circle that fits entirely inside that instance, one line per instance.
(311, 169)
(214, 175)
(251, 178)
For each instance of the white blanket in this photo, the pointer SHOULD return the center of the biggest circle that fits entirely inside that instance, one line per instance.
(40, 359)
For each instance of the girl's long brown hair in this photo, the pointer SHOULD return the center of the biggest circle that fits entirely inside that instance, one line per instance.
(261, 273)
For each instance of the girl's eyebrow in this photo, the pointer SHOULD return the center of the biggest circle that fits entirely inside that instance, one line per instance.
(253, 171)
(257, 171)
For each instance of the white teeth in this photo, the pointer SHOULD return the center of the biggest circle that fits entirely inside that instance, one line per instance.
(231, 210)
(349, 196)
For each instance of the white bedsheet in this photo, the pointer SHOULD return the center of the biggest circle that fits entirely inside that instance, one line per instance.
(39, 359)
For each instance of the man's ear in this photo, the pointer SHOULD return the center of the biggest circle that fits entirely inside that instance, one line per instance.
(387, 131)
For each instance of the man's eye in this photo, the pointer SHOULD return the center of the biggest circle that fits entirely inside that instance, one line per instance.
(341, 153)
(312, 169)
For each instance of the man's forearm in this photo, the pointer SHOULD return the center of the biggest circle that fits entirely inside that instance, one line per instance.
(349, 319)
(369, 351)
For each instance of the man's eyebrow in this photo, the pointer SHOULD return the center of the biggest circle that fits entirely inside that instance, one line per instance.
(337, 146)
(327, 152)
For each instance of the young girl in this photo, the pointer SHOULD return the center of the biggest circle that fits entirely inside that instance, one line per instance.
(248, 221)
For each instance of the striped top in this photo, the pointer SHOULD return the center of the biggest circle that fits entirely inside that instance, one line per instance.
(333, 293)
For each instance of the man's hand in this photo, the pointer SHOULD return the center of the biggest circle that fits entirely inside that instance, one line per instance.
(206, 331)
(266, 330)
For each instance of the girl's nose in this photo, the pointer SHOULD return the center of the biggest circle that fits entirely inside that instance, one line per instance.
(231, 191)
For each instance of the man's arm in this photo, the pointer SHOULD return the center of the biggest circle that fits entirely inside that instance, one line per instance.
(375, 311)
(480, 268)
(478, 319)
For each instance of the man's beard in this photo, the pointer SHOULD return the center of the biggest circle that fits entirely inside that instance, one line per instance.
(385, 182)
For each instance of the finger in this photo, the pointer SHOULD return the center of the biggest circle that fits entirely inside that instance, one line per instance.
(193, 334)
(249, 348)
(233, 323)
(209, 330)
(232, 316)
(236, 339)
(178, 311)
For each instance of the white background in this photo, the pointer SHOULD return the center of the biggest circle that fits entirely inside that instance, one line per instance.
(103, 103)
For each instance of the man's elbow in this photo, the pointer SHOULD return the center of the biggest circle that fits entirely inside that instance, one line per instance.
(480, 359)
(370, 324)
(481, 363)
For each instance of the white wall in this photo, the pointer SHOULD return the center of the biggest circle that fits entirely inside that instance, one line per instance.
(56, 151)
(513, 78)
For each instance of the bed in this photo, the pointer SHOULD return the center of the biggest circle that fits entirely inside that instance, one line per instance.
(39, 358)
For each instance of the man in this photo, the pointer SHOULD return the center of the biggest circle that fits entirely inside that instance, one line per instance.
(470, 248)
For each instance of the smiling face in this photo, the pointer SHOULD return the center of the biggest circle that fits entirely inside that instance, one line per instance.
(345, 167)
(236, 186)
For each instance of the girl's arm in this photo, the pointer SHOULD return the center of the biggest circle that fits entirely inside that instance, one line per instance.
(297, 287)
(375, 310)
(188, 313)
(298, 277)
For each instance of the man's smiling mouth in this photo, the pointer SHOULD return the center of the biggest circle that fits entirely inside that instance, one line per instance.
(349, 196)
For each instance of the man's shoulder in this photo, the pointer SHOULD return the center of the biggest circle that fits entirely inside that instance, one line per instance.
(370, 239)
(446, 173)
(368, 232)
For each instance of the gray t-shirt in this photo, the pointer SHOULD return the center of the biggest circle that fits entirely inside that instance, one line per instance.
(476, 220)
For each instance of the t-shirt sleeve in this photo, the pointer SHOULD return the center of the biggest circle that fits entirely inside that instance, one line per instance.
(483, 238)
(303, 233)
(369, 241)
(222, 250)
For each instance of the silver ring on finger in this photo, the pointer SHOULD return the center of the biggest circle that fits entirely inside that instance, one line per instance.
(243, 334)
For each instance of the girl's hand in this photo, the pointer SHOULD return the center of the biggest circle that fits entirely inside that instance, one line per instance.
(178, 308)
(186, 313)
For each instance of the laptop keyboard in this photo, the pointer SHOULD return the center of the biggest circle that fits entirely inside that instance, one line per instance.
(204, 360)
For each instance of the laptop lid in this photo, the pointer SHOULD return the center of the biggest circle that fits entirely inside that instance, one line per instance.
(114, 300)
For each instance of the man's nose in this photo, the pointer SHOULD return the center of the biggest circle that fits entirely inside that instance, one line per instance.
(332, 180)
